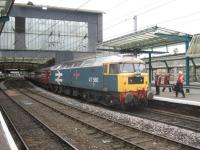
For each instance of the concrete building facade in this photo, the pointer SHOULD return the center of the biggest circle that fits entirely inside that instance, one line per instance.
(49, 33)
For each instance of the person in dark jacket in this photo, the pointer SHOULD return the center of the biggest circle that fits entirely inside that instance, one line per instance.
(166, 82)
(179, 84)
(157, 83)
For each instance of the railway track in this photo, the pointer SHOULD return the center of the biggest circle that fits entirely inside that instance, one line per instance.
(21, 144)
(182, 121)
(170, 118)
(126, 135)
(89, 122)
(33, 133)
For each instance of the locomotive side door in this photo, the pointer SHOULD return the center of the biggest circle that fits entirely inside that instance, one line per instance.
(109, 79)
(105, 74)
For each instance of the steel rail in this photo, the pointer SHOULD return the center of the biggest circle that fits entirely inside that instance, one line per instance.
(164, 119)
(96, 115)
(62, 140)
(91, 126)
(25, 146)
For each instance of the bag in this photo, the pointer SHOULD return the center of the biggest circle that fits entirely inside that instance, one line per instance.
(174, 87)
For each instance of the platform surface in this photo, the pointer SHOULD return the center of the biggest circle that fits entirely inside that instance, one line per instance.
(3, 141)
(192, 98)
(6, 140)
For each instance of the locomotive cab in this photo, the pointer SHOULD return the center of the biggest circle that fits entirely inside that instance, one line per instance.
(132, 81)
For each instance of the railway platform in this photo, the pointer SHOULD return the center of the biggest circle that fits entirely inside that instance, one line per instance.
(190, 105)
(191, 98)
(6, 140)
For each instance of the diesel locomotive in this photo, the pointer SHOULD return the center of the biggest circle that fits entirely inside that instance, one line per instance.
(119, 80)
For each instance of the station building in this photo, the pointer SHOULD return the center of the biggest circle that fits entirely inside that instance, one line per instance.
(50, 32)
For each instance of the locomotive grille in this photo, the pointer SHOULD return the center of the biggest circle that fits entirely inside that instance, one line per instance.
(135, 80)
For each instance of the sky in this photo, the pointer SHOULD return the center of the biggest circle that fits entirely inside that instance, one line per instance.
(180, 15)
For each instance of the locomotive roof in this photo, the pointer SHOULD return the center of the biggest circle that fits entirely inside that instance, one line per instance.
(99, 61)
(111, 59)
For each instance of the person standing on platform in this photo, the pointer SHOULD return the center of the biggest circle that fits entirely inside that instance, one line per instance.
(166, 82)
(157, 83)
(179, 84)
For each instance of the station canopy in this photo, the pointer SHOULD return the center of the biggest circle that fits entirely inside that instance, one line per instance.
(149, 38)
(194, 49)
(5, 6)
(21, 63)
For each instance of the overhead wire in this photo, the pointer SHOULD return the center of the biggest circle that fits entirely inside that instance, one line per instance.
(82, 5)
(122, 34)
(178, 18)
(175, 19)
(156, 7)
(134, 11)
(141, 13)
(116, 6)
(182, 23)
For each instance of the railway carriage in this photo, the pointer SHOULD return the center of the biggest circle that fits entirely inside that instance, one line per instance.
(40, 77)
(112, 80)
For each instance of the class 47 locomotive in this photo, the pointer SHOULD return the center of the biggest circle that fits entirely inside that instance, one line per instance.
(111, 80)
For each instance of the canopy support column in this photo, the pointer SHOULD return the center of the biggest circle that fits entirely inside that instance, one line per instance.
(150, 69)
(167, 66)
(195, 70)
(187, 65)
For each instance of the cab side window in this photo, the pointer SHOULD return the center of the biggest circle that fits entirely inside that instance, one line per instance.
(113, 69)
(105, 68)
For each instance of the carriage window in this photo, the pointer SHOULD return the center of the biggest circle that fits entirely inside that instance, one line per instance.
(105, 69)
(113, 69)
